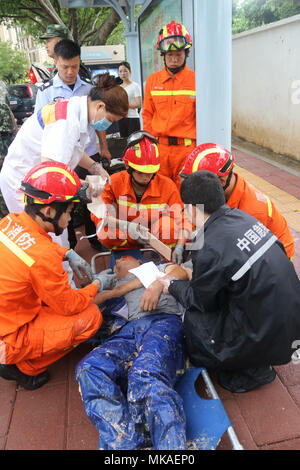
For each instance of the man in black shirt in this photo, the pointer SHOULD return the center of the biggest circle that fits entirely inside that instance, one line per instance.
(243, 300)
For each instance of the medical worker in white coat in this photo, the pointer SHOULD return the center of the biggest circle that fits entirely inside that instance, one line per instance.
(60, 131)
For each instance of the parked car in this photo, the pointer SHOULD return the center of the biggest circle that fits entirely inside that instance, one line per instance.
(22, 100)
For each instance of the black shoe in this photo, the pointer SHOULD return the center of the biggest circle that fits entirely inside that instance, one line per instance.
(247, 379)
(29, 382)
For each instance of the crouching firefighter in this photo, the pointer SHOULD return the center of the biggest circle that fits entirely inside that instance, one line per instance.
(41, 316)
(139, 199)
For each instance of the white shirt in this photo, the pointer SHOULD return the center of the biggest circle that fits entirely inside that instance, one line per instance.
(56, 89)
(58, 131)
(133, 91)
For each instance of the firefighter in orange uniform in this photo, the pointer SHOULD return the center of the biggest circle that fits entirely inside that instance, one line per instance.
(238, 192)
(169, 107)
(141, 199)
(41, 316)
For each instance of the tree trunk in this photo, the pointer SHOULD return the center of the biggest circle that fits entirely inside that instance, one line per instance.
(108, 25)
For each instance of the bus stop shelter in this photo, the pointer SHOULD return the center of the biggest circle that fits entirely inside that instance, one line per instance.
(210, 25)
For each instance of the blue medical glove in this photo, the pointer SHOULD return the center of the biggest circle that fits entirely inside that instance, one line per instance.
(177, 255)
(107, 279)
(78, 264)
(138, 232)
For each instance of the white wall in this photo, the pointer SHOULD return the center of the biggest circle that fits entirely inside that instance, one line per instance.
(266, 86)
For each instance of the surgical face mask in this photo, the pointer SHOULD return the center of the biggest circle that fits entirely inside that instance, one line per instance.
(100, 125)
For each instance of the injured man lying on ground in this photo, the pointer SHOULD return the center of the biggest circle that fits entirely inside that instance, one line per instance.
(127, 383)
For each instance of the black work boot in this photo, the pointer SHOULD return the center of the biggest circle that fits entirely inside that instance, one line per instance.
(29, 382)
(247, 379)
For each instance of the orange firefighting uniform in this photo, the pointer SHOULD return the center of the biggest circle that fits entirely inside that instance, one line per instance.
(249, 199)
(41, 316)
(169, 110)
(160, 209)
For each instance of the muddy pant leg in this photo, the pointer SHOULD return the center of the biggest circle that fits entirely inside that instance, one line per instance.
(102, 376)
(151, 395)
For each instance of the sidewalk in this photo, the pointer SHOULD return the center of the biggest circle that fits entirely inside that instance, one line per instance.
(53, 418)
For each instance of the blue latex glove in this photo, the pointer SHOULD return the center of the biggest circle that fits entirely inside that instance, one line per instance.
(107, 279)
(177, 255)
(78, 264)
(138, 232)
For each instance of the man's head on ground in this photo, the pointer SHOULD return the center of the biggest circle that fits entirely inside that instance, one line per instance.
(202, 192)
(50, 191)
(124, 264)
(67, 60)
(54, 34)
(141, 158)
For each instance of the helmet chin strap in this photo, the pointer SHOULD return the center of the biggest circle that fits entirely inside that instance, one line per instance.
(54, 221)
(175, 70)
(228, 180)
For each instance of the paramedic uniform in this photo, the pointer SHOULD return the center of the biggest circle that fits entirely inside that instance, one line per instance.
(58, 131)
(56, 89)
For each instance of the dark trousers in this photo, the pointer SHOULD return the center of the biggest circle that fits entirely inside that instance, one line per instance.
(81, 214)
(129, 125)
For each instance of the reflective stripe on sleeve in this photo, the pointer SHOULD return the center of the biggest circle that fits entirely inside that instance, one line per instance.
(270, 211)
(16, 250)
(260, 252)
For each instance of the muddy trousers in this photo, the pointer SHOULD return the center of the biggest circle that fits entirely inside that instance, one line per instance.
(47, 338)
(128, 382)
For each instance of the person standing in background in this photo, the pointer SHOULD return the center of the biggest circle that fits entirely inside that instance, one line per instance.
(65, 84)
(54, 34)
(169, 106)
(131, 123)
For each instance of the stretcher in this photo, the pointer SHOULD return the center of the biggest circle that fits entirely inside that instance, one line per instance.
(206, 418)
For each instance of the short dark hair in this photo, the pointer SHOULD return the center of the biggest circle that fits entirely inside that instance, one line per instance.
(203, 187)
(33, 209)
(67, 49)
(125, 64)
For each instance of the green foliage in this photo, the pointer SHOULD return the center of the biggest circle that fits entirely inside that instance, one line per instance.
(13, 64)
(33, 19)
(116, 37)
(248, 14)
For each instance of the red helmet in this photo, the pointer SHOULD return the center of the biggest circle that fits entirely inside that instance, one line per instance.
(143, 156)
(173, 36)
(53, 181)
(209, 157)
